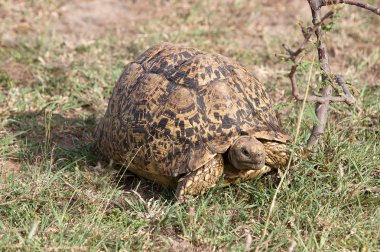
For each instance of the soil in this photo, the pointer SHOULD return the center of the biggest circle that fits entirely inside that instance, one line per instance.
(18, 72)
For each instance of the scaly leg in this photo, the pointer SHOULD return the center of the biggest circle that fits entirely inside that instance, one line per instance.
(277, 155)
(200, 180)
(234, 176)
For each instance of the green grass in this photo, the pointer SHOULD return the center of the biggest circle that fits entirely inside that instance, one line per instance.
(57, 193)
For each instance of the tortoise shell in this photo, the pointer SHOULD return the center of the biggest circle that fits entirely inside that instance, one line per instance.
(176, 107)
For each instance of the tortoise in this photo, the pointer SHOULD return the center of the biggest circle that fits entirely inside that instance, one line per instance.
(185, 118)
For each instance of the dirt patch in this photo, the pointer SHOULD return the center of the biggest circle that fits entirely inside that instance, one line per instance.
(18, 73)
(9, 167)
(92, 19)
(182, 245)
(3, 12)
(67, 131)
(373, 75)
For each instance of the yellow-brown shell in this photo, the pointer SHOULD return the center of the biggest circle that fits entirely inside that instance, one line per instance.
(175, 107)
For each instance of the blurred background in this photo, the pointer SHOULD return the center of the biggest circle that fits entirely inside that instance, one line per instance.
(67, 55)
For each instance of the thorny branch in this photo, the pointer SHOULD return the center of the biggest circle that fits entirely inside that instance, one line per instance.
(325, 95)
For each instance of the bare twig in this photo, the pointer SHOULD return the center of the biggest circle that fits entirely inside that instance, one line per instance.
(359, 4)
(325, 94)
(350, 99)
(296, 57)
(321, 108)
(308, 34)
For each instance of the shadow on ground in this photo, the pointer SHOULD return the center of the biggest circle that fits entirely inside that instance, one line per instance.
(67, 140)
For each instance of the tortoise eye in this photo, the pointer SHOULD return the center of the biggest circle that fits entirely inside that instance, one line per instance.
(245, 151)
(243, 133)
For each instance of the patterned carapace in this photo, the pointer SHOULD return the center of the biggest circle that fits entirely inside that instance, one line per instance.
(175, 107)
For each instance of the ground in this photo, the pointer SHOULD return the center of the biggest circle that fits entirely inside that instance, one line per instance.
(58, 63)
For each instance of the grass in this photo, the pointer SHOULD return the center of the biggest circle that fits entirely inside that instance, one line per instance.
(56, 193)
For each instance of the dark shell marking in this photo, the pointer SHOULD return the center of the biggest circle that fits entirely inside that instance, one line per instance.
(175, 107)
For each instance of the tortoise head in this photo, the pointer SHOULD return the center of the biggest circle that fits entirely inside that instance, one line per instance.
(247, 153)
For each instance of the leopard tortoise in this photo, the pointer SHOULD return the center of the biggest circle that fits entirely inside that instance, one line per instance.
(184, 118)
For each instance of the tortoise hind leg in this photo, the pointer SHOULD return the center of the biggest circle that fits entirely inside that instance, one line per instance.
(200, 180)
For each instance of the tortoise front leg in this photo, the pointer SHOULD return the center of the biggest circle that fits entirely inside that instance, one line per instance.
(234, 176)
(200, 180)
(277, 154)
